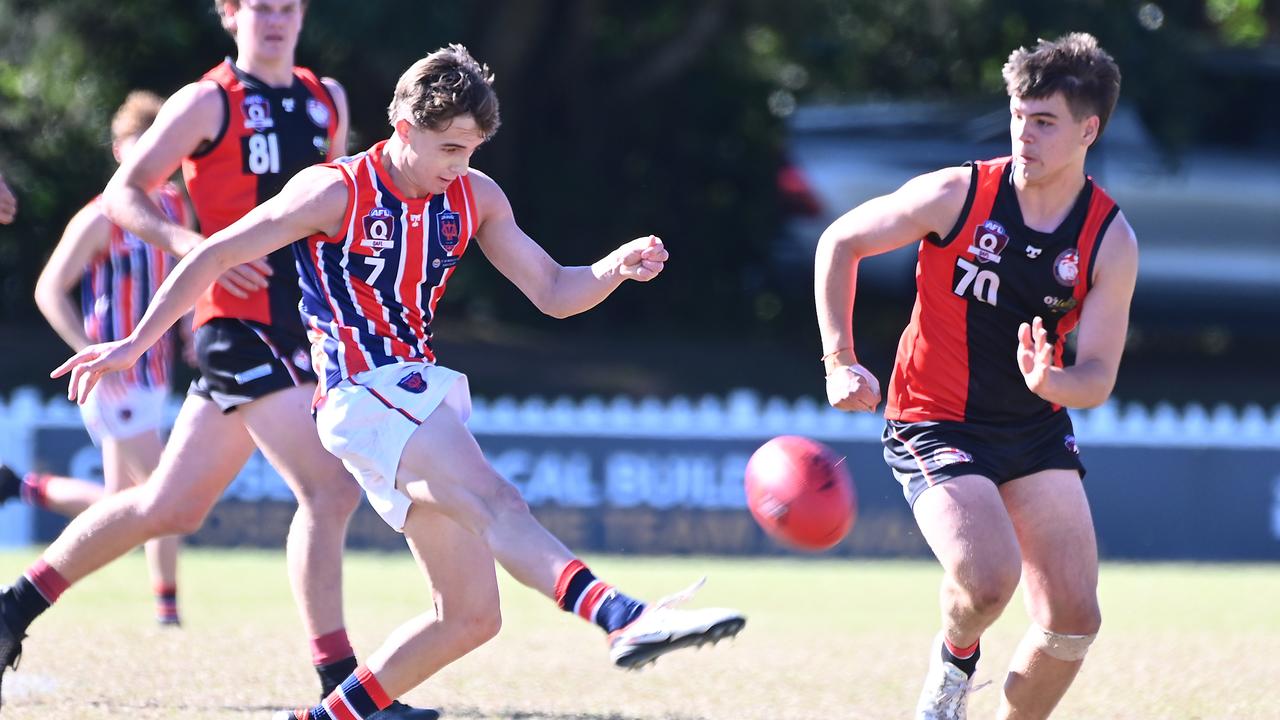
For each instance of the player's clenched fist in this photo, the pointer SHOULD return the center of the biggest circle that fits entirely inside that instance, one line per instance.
(853, 388)
(642, 259)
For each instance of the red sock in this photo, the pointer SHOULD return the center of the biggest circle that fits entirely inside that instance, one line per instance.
(33, 489)
(48, 581)
(331, 647)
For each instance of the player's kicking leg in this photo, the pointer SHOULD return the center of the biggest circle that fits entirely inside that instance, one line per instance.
(441, 470)
(1060, 562)
(968, 529)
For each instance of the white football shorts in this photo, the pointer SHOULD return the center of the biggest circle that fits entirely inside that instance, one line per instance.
(366, 421)
(123, 413)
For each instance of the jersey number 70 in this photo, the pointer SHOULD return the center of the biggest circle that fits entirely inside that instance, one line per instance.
(983, 283)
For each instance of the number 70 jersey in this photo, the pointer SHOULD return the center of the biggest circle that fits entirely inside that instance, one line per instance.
(369, 293)
(957, 358)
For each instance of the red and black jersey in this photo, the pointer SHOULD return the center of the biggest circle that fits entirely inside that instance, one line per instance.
(974, 287)
(268, 135)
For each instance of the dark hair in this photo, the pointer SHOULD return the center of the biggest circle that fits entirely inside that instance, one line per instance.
(443, 85)
(1073, 65)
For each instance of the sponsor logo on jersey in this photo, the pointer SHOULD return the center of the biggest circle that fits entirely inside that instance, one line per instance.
(377, 230)
(257, 113)
(1033, 252)
(1058, 305)
(287, 104)
(413, 382)
(448, 229)
(415, 219)
(1066, 268)
(318, 112)
(943, 457)
(1070, 443)
(989, 240)
(321, 143)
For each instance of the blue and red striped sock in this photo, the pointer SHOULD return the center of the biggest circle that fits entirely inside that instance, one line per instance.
(579, 591)
(167, 604)
(358, 697)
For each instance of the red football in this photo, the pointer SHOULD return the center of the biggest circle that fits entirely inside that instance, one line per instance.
(800, 492)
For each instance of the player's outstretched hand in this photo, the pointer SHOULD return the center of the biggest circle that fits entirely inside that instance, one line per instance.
(243, 280)
(1035, 354)
(89, 365)
(853, 388)
(642, 259)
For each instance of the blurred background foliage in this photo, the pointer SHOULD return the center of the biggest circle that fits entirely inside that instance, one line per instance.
(621, 119)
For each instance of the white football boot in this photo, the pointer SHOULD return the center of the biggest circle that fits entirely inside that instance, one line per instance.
(662, 627)
(946, 689)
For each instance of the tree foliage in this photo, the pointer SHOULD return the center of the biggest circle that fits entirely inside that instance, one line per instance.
(621, 119)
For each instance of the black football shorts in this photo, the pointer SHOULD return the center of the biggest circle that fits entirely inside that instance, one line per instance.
(923, 454)
(241, 361)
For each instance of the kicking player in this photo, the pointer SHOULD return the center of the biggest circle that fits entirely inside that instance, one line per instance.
(382, 233)
(1013, 254)
(238, 133)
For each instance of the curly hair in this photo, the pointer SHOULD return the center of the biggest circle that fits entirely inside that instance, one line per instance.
(444, 85)
(1073, 65)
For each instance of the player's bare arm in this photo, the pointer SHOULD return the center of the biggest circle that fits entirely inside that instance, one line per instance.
(189, 119)
(1104, 322)
(554, 289)
(927, 203)
(87, 235)
(339, 94)
(314, 201)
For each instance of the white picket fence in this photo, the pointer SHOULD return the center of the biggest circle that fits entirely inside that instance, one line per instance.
(746, 414)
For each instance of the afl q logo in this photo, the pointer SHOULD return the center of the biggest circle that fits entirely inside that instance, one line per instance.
(377, 229)
(989, 240)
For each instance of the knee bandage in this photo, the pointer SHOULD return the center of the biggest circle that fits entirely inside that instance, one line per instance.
(1068, 648)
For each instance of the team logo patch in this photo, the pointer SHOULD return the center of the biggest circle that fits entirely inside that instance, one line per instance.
(257, 113)
(413, 382)
(1066, 268)
(318, 113)
(448, 229)
(1070, 442)
(943, 457)
(989, 240)
(377, 230)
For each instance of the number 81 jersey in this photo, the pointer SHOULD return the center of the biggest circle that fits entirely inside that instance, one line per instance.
(957, 358)
(369, 293)
(269, 134)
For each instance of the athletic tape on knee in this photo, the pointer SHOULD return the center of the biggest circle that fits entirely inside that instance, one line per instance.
(1068, 648)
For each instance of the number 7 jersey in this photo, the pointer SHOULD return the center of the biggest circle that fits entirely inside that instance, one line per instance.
(369, 293)
(957, 358)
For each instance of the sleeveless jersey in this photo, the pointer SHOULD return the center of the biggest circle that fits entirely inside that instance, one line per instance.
(118, 285)
(268, 135)
(957, 358)
(369, 293)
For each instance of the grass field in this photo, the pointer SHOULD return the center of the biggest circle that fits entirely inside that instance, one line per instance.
(824, 640)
